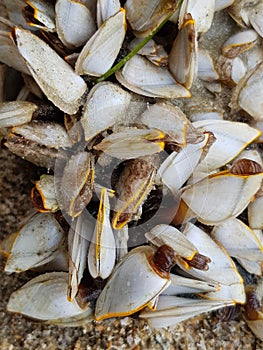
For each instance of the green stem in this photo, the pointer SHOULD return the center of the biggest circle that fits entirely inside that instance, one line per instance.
(179, 3)
(135, 50)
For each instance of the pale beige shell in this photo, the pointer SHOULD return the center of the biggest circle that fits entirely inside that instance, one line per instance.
(54, 76)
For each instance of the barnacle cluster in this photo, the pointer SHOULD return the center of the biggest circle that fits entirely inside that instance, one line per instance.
(139, 209)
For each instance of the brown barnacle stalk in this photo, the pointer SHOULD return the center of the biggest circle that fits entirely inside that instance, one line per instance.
(253, 305)
(43, 194)
(210, 142)
(77, 183)
(29, 15)
(229, 313)
(89, 289)
(73, 128)
(253, 312)
(163, 260)
(246, 166)
(199, 262)
(182, 214)
(135, 183)
(32, 142)
(37, 200)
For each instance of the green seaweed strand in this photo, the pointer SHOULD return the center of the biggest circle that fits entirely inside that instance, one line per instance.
(135, 50)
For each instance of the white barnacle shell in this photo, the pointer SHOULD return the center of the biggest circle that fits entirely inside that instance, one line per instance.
(231, 283)
(101, 50)
(250, 96)
(79, 238)
(45, 189)
(155, 53)
(238, 70)
(221, 196)
(32, 86)
(255, 214)
(121, 239)
(55, 77)
(239, 241)
(39, 142)
(5, 24)
(92, 5)
(166, 234)
(142, 77)
(231, 139)
(45, 298)
(51, 135)
(182, 60)
(222, 4)
(253, 309)
(238, 43)
(197, 115)
(231, 70)
(106, 9)
(36, 243)
(148, 49)
(59, 263)
(202, 14)
(131, 143)
(145, 16)
(132, 285)
(16, 113)
(44, 13)
(74, 23)
(172, 309)
(178, 167)
(106, 105)
(253, 57)
(78, 320)
(102, 249)
(255, 17)
(206, 68)
(185, 285)
(259, 126)
(76, 184)
(23, 93)
(240, 12)
(253, 267)
(15, 12)
(214, 86)
(172, 119)
(9, 53)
